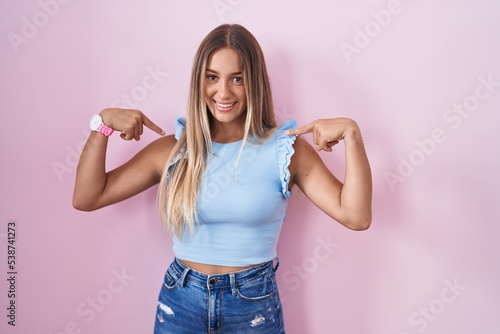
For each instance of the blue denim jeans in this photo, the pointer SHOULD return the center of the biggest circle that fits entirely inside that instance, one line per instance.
(246, 301)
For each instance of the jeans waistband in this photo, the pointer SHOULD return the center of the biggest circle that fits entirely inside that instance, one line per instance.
(232, 279)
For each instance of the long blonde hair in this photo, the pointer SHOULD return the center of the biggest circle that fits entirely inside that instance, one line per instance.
(177, 200)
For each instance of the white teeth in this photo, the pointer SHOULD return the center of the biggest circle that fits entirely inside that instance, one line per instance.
(225, 105)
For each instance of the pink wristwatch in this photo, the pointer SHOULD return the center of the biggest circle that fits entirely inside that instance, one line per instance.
(96, 124)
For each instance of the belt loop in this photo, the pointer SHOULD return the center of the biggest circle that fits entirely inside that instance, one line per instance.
(277, 264)
(182, 280)
(233, 284)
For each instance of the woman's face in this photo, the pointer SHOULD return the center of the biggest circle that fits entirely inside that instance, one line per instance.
(224, 87)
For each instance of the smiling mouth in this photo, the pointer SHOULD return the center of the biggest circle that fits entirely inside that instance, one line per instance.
(224, 105)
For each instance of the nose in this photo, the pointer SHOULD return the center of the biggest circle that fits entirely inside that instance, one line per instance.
(224, 90)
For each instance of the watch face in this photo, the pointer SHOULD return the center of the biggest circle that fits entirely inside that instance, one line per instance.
(95, 122)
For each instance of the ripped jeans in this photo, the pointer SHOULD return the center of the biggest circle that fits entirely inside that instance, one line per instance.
(246, 301)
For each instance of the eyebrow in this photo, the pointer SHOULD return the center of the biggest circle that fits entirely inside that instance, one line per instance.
(215, 72)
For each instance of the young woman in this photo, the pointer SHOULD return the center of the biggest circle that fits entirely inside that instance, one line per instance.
(224, 181)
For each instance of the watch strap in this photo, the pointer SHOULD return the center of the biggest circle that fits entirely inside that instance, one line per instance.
(105, 130)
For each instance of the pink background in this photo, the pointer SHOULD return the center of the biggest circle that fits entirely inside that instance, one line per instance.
(430, 261)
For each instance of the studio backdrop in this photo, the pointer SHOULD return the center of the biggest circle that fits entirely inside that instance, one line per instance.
(421, 78)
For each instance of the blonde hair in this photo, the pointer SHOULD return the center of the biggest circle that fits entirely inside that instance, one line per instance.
(177, 200)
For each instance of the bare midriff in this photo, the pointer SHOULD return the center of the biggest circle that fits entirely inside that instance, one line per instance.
(210, 269)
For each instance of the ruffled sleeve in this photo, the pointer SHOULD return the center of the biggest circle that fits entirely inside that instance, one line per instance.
(180, 126)
(285, 151)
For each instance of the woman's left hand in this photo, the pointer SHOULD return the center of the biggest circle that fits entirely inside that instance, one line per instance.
(327, 132)
(349, 202)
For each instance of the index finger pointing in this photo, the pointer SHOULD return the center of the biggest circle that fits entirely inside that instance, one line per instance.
(147, 122)
(300, 131)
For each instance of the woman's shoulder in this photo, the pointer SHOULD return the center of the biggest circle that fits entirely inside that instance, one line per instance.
(158, 151)
(167, 143)
(277, 133)
(164, 143)
(287, 125)
(180, 126)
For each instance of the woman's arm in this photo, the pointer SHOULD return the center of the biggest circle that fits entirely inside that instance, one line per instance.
(96, 188)
(348, 203)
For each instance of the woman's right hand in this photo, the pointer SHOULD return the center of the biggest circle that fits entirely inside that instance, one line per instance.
(130, 122)
(95, 187)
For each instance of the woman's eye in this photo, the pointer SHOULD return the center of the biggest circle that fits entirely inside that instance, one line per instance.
(211, 77)
(238, 80)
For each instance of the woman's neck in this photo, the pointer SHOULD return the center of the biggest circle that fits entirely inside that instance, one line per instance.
(226, 132)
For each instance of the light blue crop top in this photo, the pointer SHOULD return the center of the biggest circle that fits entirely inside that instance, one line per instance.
(240, 211)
